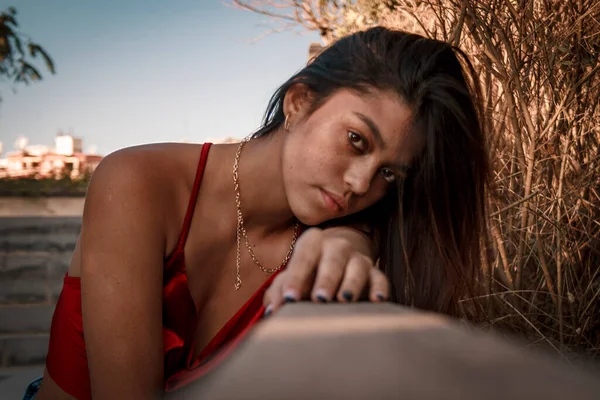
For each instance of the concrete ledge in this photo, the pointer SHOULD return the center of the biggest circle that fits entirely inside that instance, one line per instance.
(31, 291)
(20, 225)
(382, 351)
(41, 241)
(23, 350)
(41, 206)
(34, 265)
(17, 319)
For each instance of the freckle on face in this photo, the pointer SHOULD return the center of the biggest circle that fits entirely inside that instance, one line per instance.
(321, 152)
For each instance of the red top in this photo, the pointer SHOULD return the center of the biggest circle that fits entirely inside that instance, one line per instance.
(66, 361)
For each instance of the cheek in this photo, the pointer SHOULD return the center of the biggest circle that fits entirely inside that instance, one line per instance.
(298, 165)
(289, 169)
(317, 155)
(320, 159)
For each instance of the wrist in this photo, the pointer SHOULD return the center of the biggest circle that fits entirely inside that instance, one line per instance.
(361, 241)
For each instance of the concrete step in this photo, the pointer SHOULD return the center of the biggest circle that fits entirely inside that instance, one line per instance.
(39, 234)
(34, 264)
(23, 225)
(23, 349)
(30, 291)
(35, 241)
(49, 207)
(16, 319)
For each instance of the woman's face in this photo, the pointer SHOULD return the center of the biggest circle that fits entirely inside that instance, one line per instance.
(347, 154)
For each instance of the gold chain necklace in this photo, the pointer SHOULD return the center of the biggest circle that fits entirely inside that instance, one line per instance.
(241, 230)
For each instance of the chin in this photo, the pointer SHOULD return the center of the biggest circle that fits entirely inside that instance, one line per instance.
(306, 214)
(309, 220)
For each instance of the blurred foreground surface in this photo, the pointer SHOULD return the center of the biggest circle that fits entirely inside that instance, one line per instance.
(383, 351)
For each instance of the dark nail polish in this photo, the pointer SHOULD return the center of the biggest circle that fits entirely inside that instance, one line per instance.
(321, 298)
(380, 297)
(347, 295)
(289, 299)
(267, 313)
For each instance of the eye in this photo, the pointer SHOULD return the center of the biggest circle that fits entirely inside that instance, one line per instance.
(357, 141)
(388, 175)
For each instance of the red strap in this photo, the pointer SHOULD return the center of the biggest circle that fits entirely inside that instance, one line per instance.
(193, 197)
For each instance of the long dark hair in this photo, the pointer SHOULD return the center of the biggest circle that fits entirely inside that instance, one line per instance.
(429, 230)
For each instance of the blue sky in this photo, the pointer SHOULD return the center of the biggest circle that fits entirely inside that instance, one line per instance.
(132, 72)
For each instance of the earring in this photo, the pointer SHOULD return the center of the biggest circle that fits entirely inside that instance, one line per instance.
(286, 124)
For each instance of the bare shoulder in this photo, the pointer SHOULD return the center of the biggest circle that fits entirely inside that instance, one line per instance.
(154, 168)
(153, 163)
(153, 179)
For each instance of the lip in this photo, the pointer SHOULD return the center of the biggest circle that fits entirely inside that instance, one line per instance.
(336, 203)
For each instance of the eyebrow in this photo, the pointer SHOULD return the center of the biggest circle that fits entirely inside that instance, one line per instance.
(375, 130)
(372, 126)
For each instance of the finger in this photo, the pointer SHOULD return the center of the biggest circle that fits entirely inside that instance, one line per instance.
(380, 286)
(334, 257)
(273, 294)
(356, 277)
(298, 275)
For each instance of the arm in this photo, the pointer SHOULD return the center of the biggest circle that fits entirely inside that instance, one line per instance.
(363, 229)
(359, 237)
(122, 248)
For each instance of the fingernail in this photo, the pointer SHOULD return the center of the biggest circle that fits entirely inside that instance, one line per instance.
(268, 311)
(321, 296)
(380, 296)
(347, 295)
(289, 297)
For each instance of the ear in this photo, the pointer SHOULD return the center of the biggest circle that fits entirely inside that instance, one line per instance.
(297, 100)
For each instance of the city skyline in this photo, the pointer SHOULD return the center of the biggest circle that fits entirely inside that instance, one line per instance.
(183, 70)
(22, 143)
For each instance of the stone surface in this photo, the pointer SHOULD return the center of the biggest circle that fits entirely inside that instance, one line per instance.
(35, 253)
(25, 318)
(23, 349)
(41, 241)
(29, 291)
(370, 351)
(41, 206)
(34, 265)
(39, 224)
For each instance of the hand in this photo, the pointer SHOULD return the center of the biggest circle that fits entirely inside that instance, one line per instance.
(327, 265)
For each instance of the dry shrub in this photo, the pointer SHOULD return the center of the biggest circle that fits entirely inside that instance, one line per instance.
(538, 66)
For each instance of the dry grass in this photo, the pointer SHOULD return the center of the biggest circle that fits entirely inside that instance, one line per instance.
(538, 66)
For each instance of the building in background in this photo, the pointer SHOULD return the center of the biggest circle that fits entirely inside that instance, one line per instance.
(67, 145)
(313, 50)
(36, 161)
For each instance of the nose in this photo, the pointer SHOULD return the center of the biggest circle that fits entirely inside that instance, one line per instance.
(358, 177)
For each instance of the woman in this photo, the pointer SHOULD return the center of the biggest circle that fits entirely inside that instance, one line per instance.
(373, 151)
